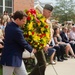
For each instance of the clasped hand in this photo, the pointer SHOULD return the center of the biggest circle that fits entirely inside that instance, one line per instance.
(34, 50)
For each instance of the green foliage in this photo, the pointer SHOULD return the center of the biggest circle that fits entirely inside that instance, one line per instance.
(64, 10)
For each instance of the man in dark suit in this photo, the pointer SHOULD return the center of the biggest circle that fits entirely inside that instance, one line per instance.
(64, 35)
(14, 45)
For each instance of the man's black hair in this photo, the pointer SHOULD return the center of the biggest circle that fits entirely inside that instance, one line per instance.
(19, 14)
(48, 7)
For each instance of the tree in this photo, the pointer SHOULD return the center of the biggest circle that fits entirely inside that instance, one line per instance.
(64, 10)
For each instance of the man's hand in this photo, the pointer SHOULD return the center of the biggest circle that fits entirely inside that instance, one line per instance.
(1, 46)
(34, 50)
(46, 48)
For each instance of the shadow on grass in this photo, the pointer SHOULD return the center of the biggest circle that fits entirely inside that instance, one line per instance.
(29, 63)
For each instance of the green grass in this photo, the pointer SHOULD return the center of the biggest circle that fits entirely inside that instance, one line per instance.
(0, 70)
(29, 64)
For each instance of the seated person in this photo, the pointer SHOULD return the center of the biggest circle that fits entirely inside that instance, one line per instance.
(65, 38)
(58, 40)
(59, 50)
(72, 34)
(50, 51)
(1, 46)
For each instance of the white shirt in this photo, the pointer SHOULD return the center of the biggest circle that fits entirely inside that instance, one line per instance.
(53, 43)
(50, 24)
(72, 35)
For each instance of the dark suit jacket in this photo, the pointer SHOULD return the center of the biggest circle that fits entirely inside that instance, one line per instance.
(64, 38)
(14, 45)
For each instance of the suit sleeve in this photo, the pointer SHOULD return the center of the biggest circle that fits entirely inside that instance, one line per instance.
(63, 38)
(19, 38)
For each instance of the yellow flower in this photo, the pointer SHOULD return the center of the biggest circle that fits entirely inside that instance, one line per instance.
(36, 30)
(29, 14)
(36, 38)
(29, 33)
(47, 35)
(30, 26)
(39, 23)
(42, 29)
(43, 20)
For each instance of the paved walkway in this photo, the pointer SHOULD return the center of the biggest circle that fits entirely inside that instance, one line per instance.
(66, 67)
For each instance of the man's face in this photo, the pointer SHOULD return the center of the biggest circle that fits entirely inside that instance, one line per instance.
(22, 21)
(65, 30)
(73, 29)
(47, 13)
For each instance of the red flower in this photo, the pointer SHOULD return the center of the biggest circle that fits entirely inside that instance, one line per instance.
(28, 11)
(41, 44)
(32, 11)
(46, 26)
(44, 34)
(26, 35)
(28, 18)
(41, 36)
(32, 33)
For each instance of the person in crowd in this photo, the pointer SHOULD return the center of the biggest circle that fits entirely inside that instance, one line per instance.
(11, 17)
(51, 54)
(65, 38)
(64, 35)
(58, 40)
(58, 48)
(41, 61)
(1, 45)
(2, 26)
(72, 34)
(72, 37)
(14, 46)
(1, 37)
(0, 20)
(6, 17)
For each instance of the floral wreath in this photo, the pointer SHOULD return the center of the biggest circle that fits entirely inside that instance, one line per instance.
(36, 30)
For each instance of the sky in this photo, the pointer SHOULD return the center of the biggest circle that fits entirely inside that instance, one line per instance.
(48, 1)
(51, 1)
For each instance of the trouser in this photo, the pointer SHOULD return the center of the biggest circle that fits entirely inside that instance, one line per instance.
(41, 64)
(58, 52)
(73, 47)
(62, 49)
(9, 70)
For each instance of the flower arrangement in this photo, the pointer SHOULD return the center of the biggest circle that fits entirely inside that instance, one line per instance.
(36, 30)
